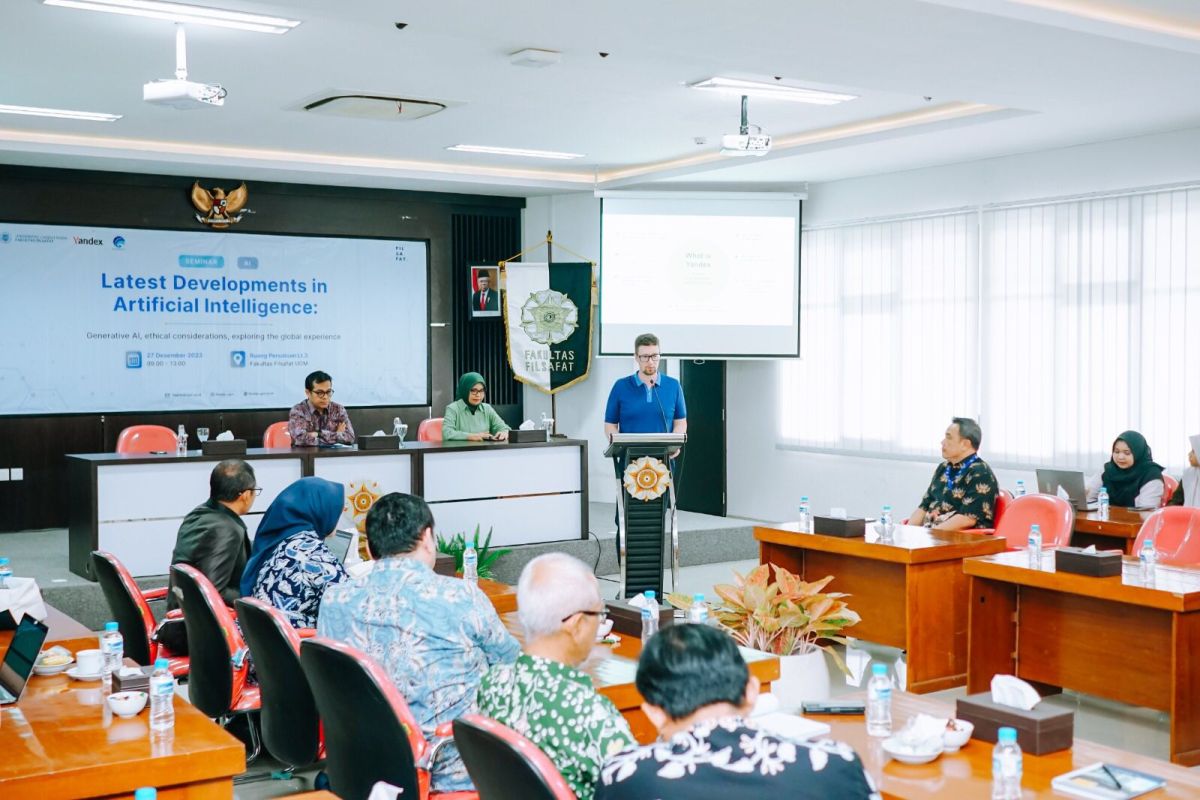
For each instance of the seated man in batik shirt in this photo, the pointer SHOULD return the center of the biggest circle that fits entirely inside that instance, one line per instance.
(963, 491)
(317, 420)
(544, 696)
(436, 636)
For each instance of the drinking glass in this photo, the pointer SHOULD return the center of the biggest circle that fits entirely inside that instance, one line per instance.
(202, 434)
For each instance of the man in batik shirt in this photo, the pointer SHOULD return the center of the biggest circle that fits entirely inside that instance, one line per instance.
(544, 696)
(436, 636)
(317, 420)
(963, 491)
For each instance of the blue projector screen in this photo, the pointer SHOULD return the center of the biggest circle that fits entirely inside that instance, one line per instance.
(108, 319)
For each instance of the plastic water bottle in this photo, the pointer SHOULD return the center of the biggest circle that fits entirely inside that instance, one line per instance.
(396, 428)
(112, 645)
(1020, 489)
(1034, 546)
(1148, 560)
(470, 564)
(698, 611)
(146, 793)
(649, 616)
(5, 572)
(1006, 766)
(806, 518)
(162, 693)
(879, 702)
(1102, 503)
(887, 525)
(181, 442)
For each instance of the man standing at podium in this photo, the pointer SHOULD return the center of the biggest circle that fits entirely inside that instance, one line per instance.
(646, 401)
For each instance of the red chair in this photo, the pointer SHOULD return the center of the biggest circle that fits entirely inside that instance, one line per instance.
(130, 607)
(146, 439)
(504, 765)
(1002, 500)
(276, 435)
(430, 430)
(1052, 514)
(1176, 534)
(370, 733)
(1169, 487)
(219, 667)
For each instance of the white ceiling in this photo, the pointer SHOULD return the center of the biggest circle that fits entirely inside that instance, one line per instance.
(1003, 77)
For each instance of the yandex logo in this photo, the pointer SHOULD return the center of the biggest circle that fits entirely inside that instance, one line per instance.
(89, 240)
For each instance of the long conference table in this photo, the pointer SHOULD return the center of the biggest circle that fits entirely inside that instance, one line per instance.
(1111, 637)
(132, 504)
(910, 593)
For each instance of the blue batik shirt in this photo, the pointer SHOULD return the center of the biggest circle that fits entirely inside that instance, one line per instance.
(435, 636)
(296, 575)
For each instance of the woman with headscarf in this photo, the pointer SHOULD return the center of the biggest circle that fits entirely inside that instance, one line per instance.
(1131, 477)
(469, 418)
(1188, 492)
(290, 566)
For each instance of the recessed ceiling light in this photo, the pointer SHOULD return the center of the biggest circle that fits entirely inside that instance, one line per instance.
(61, 113)
(182, 12)
(1125, 17)
(772, 91)
(513, 151)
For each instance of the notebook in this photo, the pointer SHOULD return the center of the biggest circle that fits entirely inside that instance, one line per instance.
(1105, 782)
(26, 643)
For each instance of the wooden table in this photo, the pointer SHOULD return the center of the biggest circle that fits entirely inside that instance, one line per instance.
(613, 669)
(910, 594)
(1111, 637)
(967, 774)
(61, 628)
(61, 741)
(1119, 530)
(503, 596)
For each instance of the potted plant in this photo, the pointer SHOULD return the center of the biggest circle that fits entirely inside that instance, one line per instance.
(487, 557)
(790, 618)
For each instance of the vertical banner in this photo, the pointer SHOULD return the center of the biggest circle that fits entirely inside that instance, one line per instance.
(548, 320)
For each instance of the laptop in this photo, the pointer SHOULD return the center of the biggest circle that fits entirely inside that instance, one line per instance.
(26, 643)
(1071, 481)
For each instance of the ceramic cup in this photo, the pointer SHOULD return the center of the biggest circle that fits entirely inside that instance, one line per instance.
(89, 662)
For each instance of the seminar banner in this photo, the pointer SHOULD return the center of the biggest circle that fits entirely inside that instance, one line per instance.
(548, 317)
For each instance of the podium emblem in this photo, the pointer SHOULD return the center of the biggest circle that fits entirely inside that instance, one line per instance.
(360, 496)
(647, 478)
(549, 317)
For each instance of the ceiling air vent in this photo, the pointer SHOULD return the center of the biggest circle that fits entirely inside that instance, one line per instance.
(366, 106)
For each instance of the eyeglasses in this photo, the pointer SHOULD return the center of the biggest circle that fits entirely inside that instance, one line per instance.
(600, 614)
(322, 393)
(654, 357)
(477, 391)
(256, 489)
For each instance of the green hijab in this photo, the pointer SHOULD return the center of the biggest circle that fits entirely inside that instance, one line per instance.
(465, 383)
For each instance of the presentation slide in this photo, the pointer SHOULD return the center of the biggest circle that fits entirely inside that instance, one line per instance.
(108, 319)
(711, 277)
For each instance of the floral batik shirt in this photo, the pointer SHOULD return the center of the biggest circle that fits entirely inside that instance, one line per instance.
(554, 706)
(965, 488)
(296, 575)
(726, 759)
(435, 636)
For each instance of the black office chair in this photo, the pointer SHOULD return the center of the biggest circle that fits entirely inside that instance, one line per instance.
(504, 765)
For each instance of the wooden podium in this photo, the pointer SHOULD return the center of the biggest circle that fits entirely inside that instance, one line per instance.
(644, 522)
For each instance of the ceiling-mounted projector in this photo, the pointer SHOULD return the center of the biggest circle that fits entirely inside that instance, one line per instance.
(179, 92)
(745, 143)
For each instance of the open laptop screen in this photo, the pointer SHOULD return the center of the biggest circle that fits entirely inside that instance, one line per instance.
(18, 661)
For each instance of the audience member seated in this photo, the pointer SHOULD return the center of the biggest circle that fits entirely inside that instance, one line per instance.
(436, 636)
(212, 538)
(317, 420)
(1131, 477)
(544, 696)
(290, 565)
(697, 691)
(963, 491)
(1188, 491)
(469, 418)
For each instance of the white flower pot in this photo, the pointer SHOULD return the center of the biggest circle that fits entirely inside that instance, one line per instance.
(802, 677)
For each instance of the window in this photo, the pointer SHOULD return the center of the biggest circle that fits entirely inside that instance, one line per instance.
(1057, 325)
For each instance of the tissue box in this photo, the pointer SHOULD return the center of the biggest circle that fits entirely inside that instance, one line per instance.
(133, 683)
(627, 619)
(843, 528)
(1098, 564)
(536, 435)
(226, 447)
(1043, 729)
(388, 442)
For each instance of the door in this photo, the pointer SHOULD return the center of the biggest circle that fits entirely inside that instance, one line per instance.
(701, 471)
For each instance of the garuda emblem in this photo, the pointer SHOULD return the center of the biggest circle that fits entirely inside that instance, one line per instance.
(218, 209)
(549, 317)
(647, 478)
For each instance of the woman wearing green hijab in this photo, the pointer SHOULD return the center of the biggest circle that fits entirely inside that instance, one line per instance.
(469, 418)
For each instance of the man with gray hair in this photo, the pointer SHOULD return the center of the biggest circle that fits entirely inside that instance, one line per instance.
(962, 493)
(544, 696)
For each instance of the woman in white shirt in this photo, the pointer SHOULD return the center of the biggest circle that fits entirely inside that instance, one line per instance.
(1188, 493)
(1131, 477)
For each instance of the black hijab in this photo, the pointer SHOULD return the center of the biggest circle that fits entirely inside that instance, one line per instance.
(1123, 485)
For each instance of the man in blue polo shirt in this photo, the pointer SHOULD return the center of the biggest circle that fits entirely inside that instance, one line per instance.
(646, 401)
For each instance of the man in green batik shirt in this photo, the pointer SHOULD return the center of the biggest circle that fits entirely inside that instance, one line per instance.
(468, 418)
(543, 696)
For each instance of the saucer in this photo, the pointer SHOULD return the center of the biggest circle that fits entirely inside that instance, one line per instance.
(905, 754)
(79, 676)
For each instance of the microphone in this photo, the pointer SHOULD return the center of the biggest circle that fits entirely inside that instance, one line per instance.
(661, 412)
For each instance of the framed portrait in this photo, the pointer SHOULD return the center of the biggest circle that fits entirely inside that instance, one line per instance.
(485, 292)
